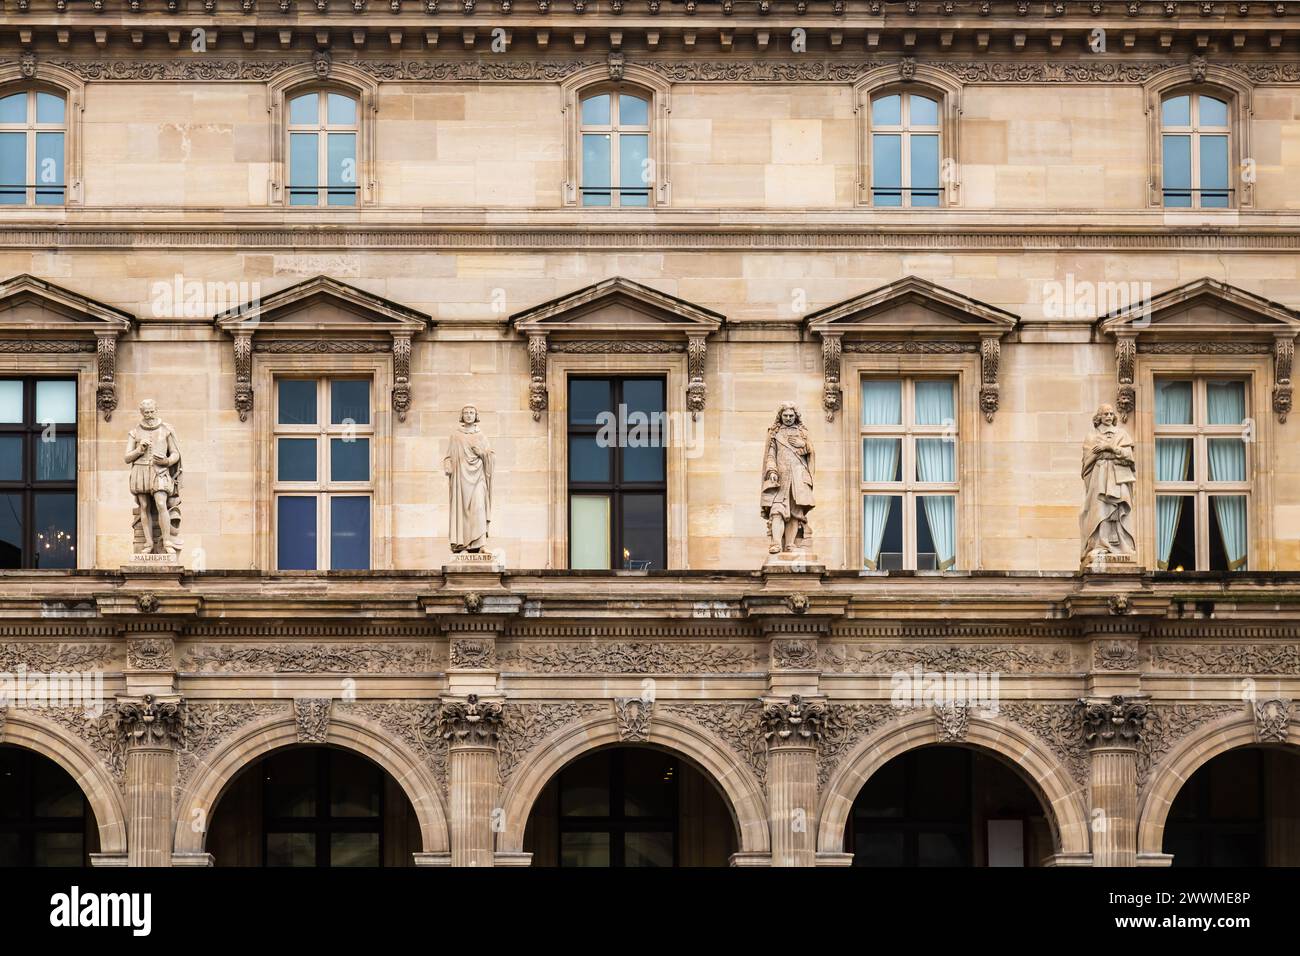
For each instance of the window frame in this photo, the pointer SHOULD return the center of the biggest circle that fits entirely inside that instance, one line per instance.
(1196, 133)
(322, 129)
(616, 129)
(46, 78)
(304, 79)
(28, 824)
(323, 824)
(618, 823)
(30, 128)
(929, 82)
(905, 129)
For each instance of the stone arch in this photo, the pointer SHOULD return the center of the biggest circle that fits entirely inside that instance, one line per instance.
(738, 783)
(347, 731)
(86, 767)
(1188, 756)
(1063, 798)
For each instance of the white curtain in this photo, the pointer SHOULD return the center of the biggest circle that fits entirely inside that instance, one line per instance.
(1173, 407)
(875, 515)
(941, 516)
(882, 402)
(936, 461)
(1226, 405)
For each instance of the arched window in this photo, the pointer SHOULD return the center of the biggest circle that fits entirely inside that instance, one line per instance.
(323, 129)
(1195, 153)
(617, 168)
(905, 143)
(33, 143)
(44, 817)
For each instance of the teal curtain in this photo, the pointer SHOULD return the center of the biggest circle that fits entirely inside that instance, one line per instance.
(1231, 512)
(1226, 402)
(875, 514)
(1173, 407)
(882, 402)
(936, 461)
(1226, 405)
(941, 516)
(934, 403)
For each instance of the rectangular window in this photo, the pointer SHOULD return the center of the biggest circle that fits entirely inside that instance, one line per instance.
(909, 487)
(1202, 473)
(617, 473)
(323, 474)
(38, 473)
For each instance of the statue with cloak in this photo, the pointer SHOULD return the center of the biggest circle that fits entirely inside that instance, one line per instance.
(787, 482)
(1106, 521)
(469, 469)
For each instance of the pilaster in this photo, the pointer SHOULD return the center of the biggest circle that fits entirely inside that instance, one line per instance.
(1112, 730)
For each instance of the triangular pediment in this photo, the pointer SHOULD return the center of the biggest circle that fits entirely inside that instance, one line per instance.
(321, 305)
(618, 306)
(1202, 308)
(910, 307)
(32, 306)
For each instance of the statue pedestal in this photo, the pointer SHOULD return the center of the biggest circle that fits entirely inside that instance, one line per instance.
(1105, 562)
(793, 562)
(466, 562)
(145, 563)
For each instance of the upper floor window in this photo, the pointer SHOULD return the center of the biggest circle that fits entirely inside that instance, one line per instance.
(324, 474)
(38, 473)
(323, 131)
(1203, 474)
(909, 474)
(905, 150)
(1194, 130)
(616, 166)
(33, 134)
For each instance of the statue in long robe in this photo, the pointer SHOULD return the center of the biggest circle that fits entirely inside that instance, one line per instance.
(468, 466)
(787, 482)
(1106, 521)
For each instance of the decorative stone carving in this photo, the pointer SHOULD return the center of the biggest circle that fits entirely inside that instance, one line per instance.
(1282, 658)
(630, 657)
(696, 350)
(523, 726)
(739, 725)
(788, 463)
(951, 722)
(472, 654)
(1272, 720)
(312, 715)
(150, 721)
(106, 372)
(473, 602)
(468, 466)
(313, 658)
(537, 397)
(27, 64)
(1115, 656)
(633, 716)
(1167, 724)
(415, 724)
(798, 603)
(1283, 358)
(954, 658)
(1197, 67)
(471, 721)
(1106, 520)
(795, 721)
(49, 656)
(207, 724)
(148, 603)
(98, 731)
(1117, 722)
(401, 395)
(794, 655)
(832, 392)
(1125, 356)
(615, 63)
(1119, 604)
(321, 62)
(990, 360)
(844, 727)
(1057, 725)
(243, 375)
(150, 654)
(155, 480)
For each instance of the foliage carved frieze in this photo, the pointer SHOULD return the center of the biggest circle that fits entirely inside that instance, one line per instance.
(524, 726)
(846, 725)
(51, 656)
(869, 659)
(414, 723)
(208, 724)
(1168, 724)
(1058, 726)
(738, 725)
(631, 657)
(1226, 658)
(98, 731)
(314, 658)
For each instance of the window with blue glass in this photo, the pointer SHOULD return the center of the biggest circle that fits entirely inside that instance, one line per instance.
(33, 134)
(38, 473)
(323, 133)
(324, 474)
(905, 144)
(615, 136)
(1194, 131)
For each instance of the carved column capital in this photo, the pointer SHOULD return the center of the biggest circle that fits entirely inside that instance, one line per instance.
(150, 721)
(471, 722)
(793, 722)
(1272, 720)
(1117, 722)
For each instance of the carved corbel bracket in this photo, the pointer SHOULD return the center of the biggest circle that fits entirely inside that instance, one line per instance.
(1125, 357)
(106, 373)
(537, 397)
(696, 351)
(401, 374)
(1283, 359)
(832, 392)
(990, 361)
(244, 374)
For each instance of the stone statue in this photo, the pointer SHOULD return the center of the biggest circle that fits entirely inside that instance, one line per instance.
(1106, 522)
(469, 467)
(155, 459)
(787, 482)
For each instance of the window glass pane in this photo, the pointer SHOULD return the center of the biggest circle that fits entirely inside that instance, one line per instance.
(876, 848)
(350, 401)
(925, 111)
(11, 531)
(589, 526)
(588, 397)
(595, 110)
(940, 849)
(595, 169)
(11, 457)
(1173, 402)
(354, 849)
(290, 784)
(303, 178)
(342, 168)
(936, 532)
(49, 169)
(643, 463)
(49, 108)
(1214, 112)
(887, 169)
(882, 459)
(13, 108)
(290, 849)
(1227, 532)
(297, 459)
(350, 533)
(56, 530)
(1227, 459)
(56, 459)
(304, 110)
(643, 532)
(588, 460)
(1176, 111)
(634, 170)
(58, 849)
(648, 783)
(1174, 459)
(297, 401)
(936, 459)
(13, 168)
(648, 849)
(341, 110)
(296, 533)
(934, 403)
(1226, 402)
(354, 786)
(55, 793)
(584, 787)
(925, 170)
(882, 402)
(56, 401)
(633, 111)
(584, 849)
(887, 111)
(643, 395)
(1214, 171)
(349, 459)
(1177, 170)
(11, 401)
(882, 532)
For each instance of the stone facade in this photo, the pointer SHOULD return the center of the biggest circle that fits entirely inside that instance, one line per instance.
(760, 272)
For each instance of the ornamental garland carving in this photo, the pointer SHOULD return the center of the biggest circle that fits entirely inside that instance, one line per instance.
(207, 724)
(846, 725)
(312, 715)
(631, 657)
(1227, 658)
(524, 726)
(314, 658)
(99, 732)
(1167, 724)
(739, 725)
(50, 656)
(1057, 725)
(415, 723)
(859, 659)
